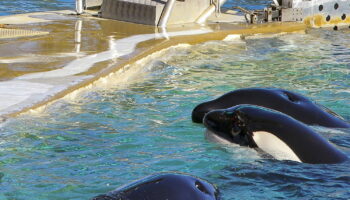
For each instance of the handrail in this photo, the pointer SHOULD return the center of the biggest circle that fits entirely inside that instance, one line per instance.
(164, 18)
(276, 3)
(79, 7)
(209, 11)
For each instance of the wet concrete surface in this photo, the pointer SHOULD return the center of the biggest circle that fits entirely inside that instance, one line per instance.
(79, 50)
(64, 43)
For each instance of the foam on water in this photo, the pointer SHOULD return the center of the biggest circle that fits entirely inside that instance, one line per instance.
(125, 76)
(232, 37)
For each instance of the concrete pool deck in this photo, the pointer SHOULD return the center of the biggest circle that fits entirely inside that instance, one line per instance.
(74, 52)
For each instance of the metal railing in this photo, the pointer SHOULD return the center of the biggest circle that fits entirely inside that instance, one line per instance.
(166, 13)
(215, 6)
(79, 6)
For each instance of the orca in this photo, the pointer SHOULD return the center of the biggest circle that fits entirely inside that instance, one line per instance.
(290, 103)
(273, 132)
(170, 186)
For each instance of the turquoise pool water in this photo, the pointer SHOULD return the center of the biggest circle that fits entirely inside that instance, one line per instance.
(107, 137)
(10, 7)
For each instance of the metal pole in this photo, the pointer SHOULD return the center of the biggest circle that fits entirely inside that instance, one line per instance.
(276, 3)
(166, 13)
(79, 6)
(209, 11)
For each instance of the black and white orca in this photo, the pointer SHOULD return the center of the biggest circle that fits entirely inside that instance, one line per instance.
(290, 103)
(275, 133)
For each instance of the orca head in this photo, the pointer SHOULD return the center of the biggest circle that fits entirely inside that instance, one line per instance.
(248, 125)
(230, 124)
(202, 109)
(199, 112)
(174, 186)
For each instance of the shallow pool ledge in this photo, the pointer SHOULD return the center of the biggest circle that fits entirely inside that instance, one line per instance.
(80, 51)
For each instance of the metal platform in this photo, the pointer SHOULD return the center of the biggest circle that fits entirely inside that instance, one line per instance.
(6, 33)
(150, 11)
(318, 13)
(92, 4)
(315, 13)
(145, 12)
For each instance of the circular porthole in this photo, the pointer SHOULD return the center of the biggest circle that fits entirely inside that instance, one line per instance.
(328, 18)
(320, 8)
(343, 17)
(336, 6)
(335, 28)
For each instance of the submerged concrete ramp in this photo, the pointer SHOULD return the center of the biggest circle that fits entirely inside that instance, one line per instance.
(149, 11)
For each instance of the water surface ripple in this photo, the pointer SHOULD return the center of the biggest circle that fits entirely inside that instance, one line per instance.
(107, 137)
(10, 7)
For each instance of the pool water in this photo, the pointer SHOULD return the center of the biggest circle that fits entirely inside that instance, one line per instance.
(10, 7)
(108, 136)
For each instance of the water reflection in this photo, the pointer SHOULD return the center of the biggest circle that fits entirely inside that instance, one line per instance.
(78, 28)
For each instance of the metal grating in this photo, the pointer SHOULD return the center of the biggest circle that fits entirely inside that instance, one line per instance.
(137, 11)
(14, 33)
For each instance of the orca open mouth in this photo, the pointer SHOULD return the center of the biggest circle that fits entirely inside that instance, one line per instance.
(228, 125)
(218, 124)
